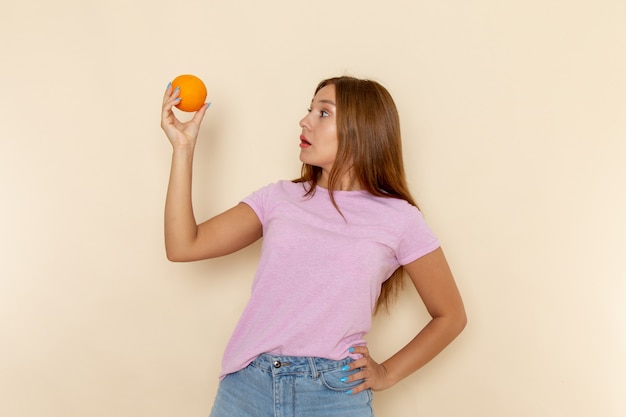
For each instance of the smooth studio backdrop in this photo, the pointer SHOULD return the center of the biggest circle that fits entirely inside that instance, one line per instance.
(514, 125)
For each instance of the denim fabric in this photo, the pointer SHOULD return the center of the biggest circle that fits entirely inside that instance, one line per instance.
(291, 386)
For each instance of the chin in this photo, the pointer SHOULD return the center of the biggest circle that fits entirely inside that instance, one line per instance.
(305, 160)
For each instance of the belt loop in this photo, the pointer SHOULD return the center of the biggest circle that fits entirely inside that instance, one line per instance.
(314, 372)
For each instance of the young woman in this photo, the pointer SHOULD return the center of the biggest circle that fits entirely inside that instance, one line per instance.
(336, 242)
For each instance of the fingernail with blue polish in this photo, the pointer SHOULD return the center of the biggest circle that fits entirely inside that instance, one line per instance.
(344, 379)
(168, 85)
(349, 392)
(208, 105)
(351, 350)
(346, 368)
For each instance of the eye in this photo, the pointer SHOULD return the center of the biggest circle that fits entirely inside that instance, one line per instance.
(322, 113)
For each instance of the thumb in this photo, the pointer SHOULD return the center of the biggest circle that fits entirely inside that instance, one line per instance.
(197, 118)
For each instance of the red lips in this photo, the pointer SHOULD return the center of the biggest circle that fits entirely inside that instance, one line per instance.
(304, 143)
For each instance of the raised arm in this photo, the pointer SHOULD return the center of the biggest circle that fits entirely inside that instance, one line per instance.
(185, 240)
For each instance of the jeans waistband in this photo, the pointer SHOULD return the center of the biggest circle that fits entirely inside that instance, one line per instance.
(277, 364)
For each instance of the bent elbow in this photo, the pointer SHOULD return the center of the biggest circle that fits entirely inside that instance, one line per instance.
(461, 321)
(172, 258)
(175, 256)
(456, 321)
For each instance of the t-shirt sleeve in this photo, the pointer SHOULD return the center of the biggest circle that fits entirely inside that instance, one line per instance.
(258, 201)
(417, 238)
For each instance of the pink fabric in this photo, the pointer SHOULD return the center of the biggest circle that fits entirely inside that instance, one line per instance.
(319, 275)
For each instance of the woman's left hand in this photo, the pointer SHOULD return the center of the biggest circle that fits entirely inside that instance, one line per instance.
(373, 374)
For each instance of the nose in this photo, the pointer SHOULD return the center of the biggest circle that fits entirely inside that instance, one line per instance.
(304, 122)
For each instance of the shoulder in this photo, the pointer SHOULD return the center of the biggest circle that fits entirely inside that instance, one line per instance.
(284, 186)
(272, 193)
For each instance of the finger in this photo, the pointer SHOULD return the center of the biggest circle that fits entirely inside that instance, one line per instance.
(168, 91)
(360, 350)
(168, 105)
(358, 388)
(169, 121)
(174, 96)
(359, 363)
(199, 115)
(361, 374)
(167, 115)
(170, 95)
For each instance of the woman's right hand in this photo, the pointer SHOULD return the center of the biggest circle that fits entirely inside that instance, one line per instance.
(180, 135)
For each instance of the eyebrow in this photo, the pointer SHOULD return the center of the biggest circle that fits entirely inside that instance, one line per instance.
(326, 101)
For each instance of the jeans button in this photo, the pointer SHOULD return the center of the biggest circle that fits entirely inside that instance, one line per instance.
(276, 364)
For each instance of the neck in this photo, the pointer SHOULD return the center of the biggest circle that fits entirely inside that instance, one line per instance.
(346, 183)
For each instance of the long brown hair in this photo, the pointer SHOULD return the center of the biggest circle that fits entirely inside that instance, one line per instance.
(369, 144)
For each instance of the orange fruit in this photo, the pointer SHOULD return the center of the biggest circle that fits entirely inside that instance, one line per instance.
(192, 92)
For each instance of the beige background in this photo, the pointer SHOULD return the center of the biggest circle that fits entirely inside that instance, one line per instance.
(515, 139)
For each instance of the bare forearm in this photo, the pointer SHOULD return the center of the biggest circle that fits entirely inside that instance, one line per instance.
(435, 284)
(180, 223)
(433, 338)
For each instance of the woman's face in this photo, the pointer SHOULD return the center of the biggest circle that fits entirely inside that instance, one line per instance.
(318, 141)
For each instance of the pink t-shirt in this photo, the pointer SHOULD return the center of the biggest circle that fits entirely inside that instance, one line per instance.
(320, 275)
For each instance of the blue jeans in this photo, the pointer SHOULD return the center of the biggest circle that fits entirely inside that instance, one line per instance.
(291, 386)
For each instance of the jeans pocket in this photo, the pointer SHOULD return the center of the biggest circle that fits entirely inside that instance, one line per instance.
(332, 379)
